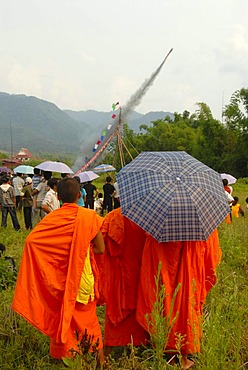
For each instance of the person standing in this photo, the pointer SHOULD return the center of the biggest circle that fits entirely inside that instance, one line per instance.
(82, 199)
(36, 179)
(57, 285)
(27, 201)
(91, 193)
(8, 203)
(120, 275)
(18, 184)
(51, 202)
(40, 191)
(108, 193)
(116, 196)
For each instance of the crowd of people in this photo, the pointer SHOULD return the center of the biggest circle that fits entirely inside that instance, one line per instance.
(36, 195)
(75, 259)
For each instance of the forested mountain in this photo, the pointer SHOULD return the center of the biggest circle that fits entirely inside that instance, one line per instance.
(37, 125)
(42, 127)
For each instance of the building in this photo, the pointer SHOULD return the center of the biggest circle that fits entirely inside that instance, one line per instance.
(24, 155)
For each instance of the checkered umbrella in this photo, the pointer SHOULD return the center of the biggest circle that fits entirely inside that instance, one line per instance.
(172, 196)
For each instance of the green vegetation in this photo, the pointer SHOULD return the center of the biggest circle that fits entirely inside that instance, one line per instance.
(221, 146)
(225, 328)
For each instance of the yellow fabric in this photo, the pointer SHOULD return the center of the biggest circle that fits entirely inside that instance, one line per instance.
(86, 286)
(235, 210)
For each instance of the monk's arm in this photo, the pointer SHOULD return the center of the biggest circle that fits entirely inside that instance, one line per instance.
(98, 243)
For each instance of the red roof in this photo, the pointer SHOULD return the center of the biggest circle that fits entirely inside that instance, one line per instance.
(9, 162)
(23, 153)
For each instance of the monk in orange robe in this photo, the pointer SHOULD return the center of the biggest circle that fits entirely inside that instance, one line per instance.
(124, 243)
(57, 284)
(192, 264)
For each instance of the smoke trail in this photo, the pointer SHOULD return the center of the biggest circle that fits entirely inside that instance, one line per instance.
(133, 102)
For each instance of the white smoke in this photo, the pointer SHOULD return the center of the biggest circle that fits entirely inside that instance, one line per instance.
(134, 101)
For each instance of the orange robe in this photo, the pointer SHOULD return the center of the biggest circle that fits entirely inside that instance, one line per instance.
(124, 242)
(193, 265)
(50, 272)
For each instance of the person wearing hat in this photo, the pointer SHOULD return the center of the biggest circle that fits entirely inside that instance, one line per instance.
(27, 203)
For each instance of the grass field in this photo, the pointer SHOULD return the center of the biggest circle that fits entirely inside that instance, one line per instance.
(225, 338)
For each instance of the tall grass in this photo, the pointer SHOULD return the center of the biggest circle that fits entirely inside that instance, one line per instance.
(225, 327)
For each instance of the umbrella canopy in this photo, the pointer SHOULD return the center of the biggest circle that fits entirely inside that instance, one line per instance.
(231, 179)
(87, 176)
(27, 170)
(104, 168)
(172, 196)
(4, 169)
(54, 167)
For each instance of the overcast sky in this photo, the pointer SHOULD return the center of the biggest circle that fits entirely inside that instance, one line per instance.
(88, 54)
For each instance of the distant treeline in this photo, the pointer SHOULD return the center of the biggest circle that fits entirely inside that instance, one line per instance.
(221, 146)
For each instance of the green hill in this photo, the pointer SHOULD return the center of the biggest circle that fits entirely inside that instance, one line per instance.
(41, 127)
(38, 125)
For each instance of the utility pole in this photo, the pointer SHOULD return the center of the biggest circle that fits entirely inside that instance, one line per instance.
(222, 108)
(11, 140)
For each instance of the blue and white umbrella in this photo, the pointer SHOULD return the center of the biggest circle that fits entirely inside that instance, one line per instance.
(104, 168)
(172, 196)
(27, 170)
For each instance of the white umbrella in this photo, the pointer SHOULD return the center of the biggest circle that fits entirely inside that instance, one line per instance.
(59, 167)
(231, 179)
(87, 176)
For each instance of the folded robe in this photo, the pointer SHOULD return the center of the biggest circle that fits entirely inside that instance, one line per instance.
(51, 268)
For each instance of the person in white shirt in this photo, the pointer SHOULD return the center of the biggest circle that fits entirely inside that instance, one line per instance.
(18, 184)
(51, 202)
(116, 196)
(229, 199)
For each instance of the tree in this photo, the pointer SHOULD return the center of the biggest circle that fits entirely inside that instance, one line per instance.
(236, 120)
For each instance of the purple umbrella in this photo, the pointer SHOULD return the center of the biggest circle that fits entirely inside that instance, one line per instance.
(4, 169)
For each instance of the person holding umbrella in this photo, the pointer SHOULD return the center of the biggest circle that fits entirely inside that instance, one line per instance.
(177, 202)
